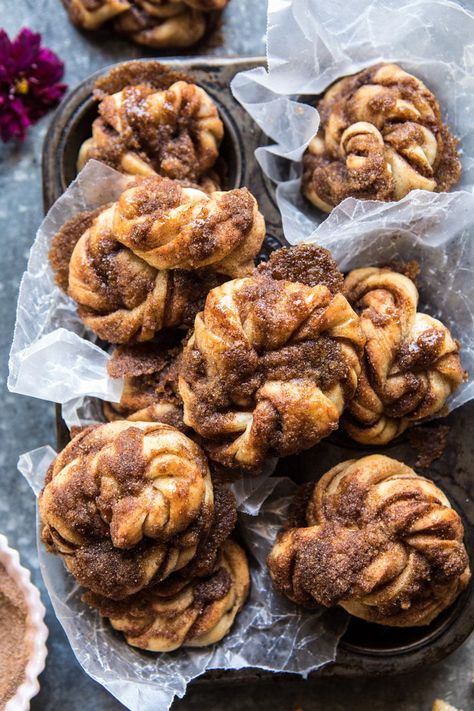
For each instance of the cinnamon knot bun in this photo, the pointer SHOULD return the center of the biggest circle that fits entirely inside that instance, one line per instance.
(174, 227)
(147, 262)
(411, 362)
(127, 504)
(272, 361)
(377, 539)
(175, 132)
(199, 614)
(381, 136)
(154, 23)
(92, 14)
(161, 23)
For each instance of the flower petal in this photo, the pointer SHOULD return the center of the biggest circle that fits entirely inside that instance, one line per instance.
(13, 121)
(48, 67)
(25, 49)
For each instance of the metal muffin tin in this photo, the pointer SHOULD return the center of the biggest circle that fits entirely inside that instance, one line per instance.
(365, 649)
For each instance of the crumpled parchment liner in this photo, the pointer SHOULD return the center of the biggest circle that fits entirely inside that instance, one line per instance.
(51, 358)
(311, 43)
(269, 633)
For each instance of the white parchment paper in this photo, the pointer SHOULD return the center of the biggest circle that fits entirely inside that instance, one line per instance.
(311, 43)
(269, 633)
(52, 357)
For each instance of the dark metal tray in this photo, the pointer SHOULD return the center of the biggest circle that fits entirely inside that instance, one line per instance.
(365, 649)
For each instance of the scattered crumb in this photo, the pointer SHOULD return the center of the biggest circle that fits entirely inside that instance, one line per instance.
(429, 443)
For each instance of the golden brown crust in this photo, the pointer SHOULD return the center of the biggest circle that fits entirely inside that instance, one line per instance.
(127, 504)
(175, 132)
(153, 74)
(200, 614)
(381, 136)
(411, 362)
(208, 549)
(308, 264)
(122, 298)
(173, 227)
(148, 261)
(379, 540)
(270, 365)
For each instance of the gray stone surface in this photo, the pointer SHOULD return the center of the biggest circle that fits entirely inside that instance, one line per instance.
(25, 424)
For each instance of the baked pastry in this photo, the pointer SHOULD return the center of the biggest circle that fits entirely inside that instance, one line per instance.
(150, 383)
(127, 504)
(175, 132)
(155, 23)
(92, 14)
(377, 539)
(273, 360)
(200, 614)
(162, 23)
(411, 362)
(208, 549)
(381, 135)
(147, 262)
(174, 227)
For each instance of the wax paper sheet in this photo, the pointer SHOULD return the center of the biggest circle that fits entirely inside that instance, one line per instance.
(311, 43)
(269, 633)
(52, 357)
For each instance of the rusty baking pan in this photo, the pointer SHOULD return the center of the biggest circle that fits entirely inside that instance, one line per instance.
(365, 649)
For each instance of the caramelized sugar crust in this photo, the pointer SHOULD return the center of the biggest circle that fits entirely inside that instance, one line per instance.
(175, 132)
(272, 362)
(127, 504)
(147, 261)
(381, 136)
(199, 614)
(377, 539)
(411, 362)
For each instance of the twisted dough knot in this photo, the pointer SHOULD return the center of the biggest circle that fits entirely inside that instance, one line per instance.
(379, 540)
(271, 363)
(162, 23)
(381, 135)
(126, 505)
(173, 227)
(129, 266)
(411, 362)
(141, 131)
(92, 14)
(200, 614)
(154, 23)
(122, 298)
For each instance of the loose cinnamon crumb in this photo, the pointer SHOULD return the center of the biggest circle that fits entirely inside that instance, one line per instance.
(429, 443)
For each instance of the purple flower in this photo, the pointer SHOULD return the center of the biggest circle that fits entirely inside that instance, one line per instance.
(29, 82)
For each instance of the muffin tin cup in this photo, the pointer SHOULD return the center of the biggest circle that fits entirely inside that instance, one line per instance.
(365, 649)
